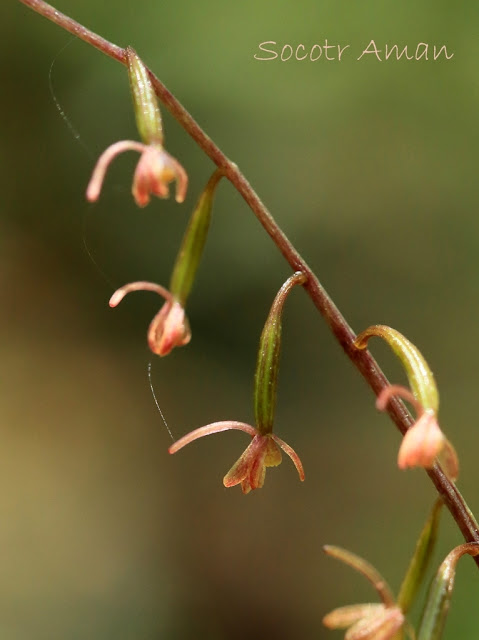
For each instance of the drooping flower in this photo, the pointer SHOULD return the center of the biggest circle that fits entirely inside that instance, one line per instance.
(170, 327)
(424, 441)
(155, 168)
(371, 621)
(265, 448)
(386, 620)
(153, 173)
(250, 468)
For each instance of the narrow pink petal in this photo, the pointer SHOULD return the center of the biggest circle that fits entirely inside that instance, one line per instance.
(214, 427)
(98, 175)
(364, 568)
(397, 390)
(292, 454)
(120, 293)
(181, 182)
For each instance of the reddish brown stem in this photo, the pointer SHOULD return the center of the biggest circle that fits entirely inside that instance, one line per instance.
(363, 360)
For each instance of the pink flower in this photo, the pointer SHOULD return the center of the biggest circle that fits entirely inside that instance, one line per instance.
(250, 468)
(366, 621)
(170, 327)
(424, 440)
(153, 173)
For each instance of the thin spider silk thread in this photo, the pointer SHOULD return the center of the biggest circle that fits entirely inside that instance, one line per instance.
(77, 137)
(156, 402)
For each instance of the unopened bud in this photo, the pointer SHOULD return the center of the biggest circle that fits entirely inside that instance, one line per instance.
(418, 372)
(439, 597)
(193, 243)
(267, 367)
(147, 110)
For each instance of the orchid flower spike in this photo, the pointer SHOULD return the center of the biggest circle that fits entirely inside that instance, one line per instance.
(170, 327)
(265, 447)
(156, 168)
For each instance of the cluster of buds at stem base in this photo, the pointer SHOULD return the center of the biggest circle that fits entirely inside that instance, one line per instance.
(265, 448)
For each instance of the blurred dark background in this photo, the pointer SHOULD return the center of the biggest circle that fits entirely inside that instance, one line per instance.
(370, 168)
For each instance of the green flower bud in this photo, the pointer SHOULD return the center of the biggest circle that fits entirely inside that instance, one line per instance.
(439, 597)
(420, 560)
(267, 366)
(421, 379)
(147, 110)
(193, 243)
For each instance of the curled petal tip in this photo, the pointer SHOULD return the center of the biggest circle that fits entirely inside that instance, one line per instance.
(392, 390)
(116, 298)
(141, 285)
(96, 181)
(92, 192)
(181, 183)
(289, 451)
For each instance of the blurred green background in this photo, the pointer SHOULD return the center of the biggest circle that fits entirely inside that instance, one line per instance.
(370, 168)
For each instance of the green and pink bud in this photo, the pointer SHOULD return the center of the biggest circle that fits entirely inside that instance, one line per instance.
(424, 441)
(156, 168)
